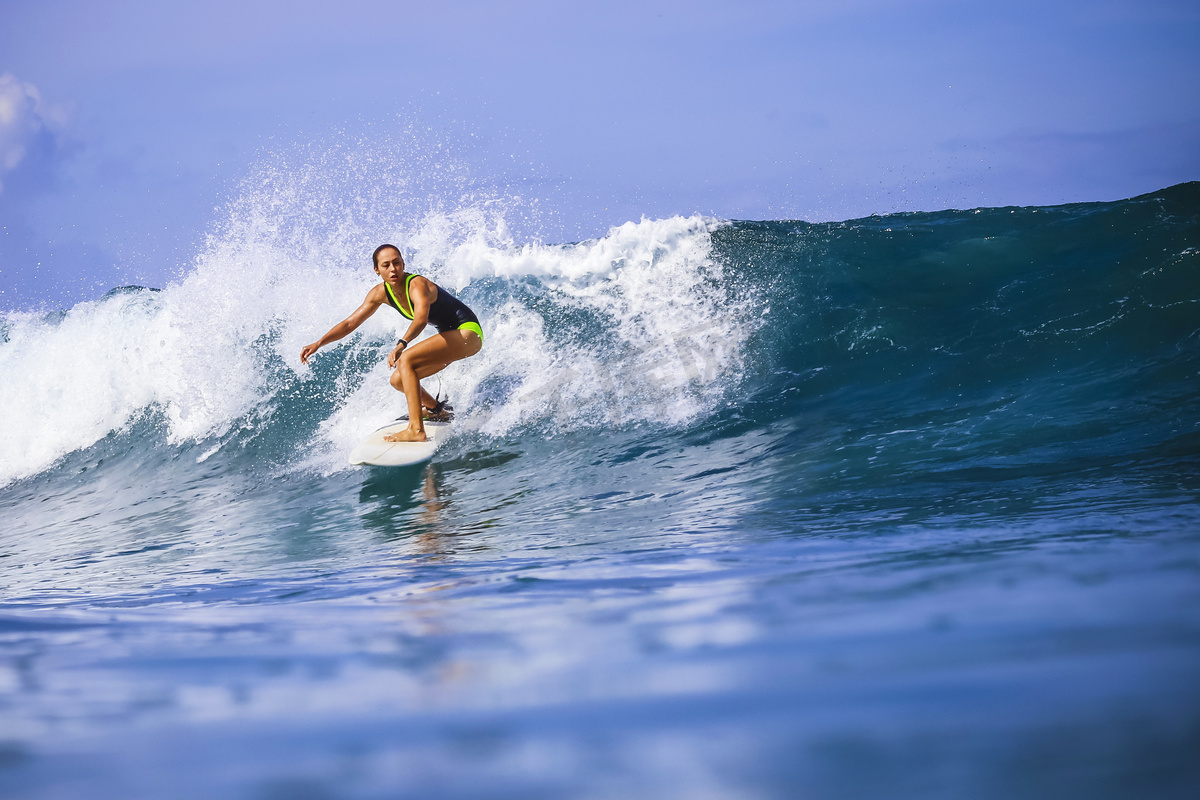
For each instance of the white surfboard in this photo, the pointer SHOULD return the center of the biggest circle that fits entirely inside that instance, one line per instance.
(378, 453)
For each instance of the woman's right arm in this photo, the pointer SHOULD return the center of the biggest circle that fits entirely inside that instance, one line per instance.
(346, 326)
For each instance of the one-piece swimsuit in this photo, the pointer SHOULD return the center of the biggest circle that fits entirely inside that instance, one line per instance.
(447, 313)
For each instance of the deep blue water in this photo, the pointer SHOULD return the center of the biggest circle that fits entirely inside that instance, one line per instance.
(899, 507)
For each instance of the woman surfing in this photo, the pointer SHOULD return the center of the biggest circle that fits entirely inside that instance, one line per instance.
(422, 301)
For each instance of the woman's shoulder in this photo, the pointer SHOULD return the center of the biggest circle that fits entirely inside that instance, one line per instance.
(423, 284)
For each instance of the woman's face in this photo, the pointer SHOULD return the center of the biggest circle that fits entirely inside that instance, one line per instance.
(390, 265)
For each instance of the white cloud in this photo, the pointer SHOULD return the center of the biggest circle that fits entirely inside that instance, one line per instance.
(23, 115)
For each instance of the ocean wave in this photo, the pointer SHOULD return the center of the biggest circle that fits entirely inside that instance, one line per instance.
(1030, 330)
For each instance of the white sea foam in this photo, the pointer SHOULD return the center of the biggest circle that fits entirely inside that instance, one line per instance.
(66, 382)
(664, 351)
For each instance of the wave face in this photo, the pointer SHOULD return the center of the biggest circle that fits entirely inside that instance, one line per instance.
(986, 343)
(734, 507)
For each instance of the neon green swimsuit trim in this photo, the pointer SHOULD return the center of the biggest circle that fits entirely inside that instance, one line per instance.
(474, 327)
(399, 307)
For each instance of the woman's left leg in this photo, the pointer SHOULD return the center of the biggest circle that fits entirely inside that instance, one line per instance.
(428, 357)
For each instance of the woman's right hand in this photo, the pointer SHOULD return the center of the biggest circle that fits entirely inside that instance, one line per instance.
(308, 350)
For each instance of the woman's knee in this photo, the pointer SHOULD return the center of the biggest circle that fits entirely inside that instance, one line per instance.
(396, 381)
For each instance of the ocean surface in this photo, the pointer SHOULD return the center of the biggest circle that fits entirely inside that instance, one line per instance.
(897, 507)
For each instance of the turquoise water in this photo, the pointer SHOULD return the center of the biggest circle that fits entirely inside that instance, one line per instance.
(895, 507)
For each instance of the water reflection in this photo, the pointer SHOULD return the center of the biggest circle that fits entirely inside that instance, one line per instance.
(409, 504)
(387, 496)
(431, 514)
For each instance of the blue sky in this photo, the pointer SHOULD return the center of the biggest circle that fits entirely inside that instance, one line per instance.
(125, 125)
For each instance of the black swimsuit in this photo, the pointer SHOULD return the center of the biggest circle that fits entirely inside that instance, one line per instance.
(447, 313)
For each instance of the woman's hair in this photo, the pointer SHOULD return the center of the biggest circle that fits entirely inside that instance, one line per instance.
(381, 248)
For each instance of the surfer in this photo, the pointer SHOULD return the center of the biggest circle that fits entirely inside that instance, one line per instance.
(422, 301)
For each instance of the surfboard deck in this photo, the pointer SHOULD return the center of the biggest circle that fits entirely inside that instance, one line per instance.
(375, 452)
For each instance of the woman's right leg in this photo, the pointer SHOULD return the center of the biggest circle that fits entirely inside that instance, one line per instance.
(428, 357)
(410, 384)
(427, 400)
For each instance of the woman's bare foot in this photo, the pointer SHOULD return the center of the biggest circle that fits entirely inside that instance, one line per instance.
(406, 435)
